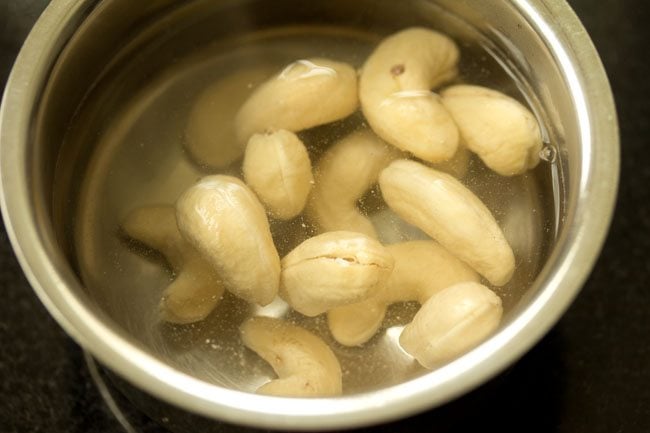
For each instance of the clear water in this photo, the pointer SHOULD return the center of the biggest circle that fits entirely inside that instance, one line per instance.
(139, 159)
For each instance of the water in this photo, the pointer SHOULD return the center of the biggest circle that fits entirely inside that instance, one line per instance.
(141, 157)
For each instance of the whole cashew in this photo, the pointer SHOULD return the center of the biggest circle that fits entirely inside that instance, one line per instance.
(501, 131)
(422, 268)
(451, 322)
(396, 98)
(305, 365)
(333, 269)
(210, 130)
(197, 288)
(277, 167)
(223, 219)
(450, 213)
(305, 94)
(343, 174)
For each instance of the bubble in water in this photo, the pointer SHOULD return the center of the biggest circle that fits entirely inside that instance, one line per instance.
(548, 153)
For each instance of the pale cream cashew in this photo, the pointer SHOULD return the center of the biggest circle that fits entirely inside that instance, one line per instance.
(451, 322)
(305, 94)
(446, 210)
(196, 288)
(422, 268)
(210, 130)
(396, 97)
(333, 269)
(305, 365)
(501, 131)
(277, 167)
(343, 174)
(223, 219)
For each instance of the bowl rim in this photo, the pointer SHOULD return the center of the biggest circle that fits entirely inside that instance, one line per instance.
(578, 248)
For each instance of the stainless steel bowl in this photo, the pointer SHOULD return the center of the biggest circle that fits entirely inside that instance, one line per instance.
(51, 170)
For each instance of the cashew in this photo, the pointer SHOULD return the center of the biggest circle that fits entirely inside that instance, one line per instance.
(422, 268)
(333, 269)
(197, 288)
(210, 131)
(305, 94)
(343, 174)
(305, 365)
(223, 219)
(451, 322)
(501, 131)
(396, 98)
(450, 213)
(277, 167)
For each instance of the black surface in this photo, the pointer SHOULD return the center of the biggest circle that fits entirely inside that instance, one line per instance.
(590, 374)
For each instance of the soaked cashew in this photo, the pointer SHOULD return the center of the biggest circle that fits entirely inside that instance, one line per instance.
(197, 288)
(343, 174)
(451, 322)
(210, 131)
(305, 365)
(501, 131)
(223, 219)
(422, 268)
(396, 98)
(450, 213)
(333, 269)
(277, 167)
(305, 94)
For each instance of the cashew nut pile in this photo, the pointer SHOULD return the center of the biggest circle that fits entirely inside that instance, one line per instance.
(415, 149)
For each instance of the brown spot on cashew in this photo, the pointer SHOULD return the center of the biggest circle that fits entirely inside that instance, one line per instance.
(501, 131)
(343, 174)
(304, 94)
(333, 269)
(446, 210)
(305, 365)
(277, 167)
(397, 70)
(396, 98)
(452, 322)
(223, 219)
(196, 288)
(422, 268)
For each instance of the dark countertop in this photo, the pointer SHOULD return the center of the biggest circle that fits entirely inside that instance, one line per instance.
(591, 373)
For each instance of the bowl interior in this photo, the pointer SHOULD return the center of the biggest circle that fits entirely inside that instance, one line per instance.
(108, 137)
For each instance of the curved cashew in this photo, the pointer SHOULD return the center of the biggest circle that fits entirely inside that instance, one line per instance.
(210, 131)
(305, 94)
(396, 98)
(501, 131)
(333, 269)
(305, 365)
(422, 268)
(197, 288)
(223, 219)
(277, 167)
(450, 213)
(343, 174)
(451, 322)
